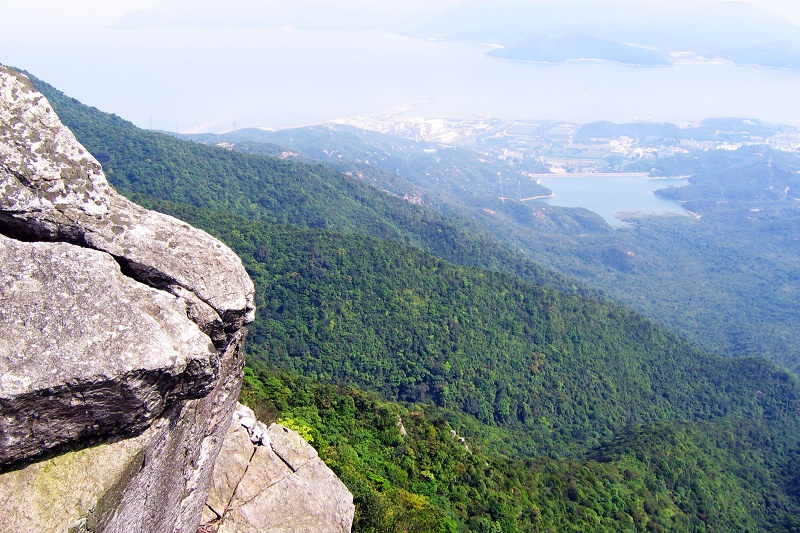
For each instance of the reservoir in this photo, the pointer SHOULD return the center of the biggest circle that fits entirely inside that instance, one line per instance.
(613, 195)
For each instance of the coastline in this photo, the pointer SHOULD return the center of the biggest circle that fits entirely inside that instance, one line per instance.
(541, 197)
(641, 65)
(578, 60)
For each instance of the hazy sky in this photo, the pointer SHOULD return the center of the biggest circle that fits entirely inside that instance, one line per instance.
(33, 16)
(181, 64)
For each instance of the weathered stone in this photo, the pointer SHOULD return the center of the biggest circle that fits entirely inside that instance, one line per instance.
(311, 500)
(87, 351)
(156, 481)
(60, 493)
(280, 487)
(122, 343)
(132, 324)
(229, 469)
(290, 447)
(51, 188)
(169, 491)
(260, 435)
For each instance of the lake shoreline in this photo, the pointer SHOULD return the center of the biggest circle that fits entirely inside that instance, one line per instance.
(592, 175)
(612, 195)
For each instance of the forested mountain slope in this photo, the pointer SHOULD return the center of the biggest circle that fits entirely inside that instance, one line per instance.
(397, 164)
(725, 279)
(417, 468)
(275, 191)
(578, 413)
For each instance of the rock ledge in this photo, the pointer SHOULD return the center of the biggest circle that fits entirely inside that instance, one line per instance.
(274, 482)
(121, 359)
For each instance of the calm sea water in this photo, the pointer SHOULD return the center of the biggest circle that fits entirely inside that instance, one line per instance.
(609, 196)
(216, 79)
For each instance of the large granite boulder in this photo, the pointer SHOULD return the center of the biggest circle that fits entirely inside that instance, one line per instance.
(52, 189)
(121, 353)
(121, 360)
(87, 350)
(271, 480)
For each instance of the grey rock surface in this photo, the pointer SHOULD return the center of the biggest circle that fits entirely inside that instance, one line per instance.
(280, 486)
(121, 358)
(86, 350)
(68, 491)
(51, 189)
(172, 481)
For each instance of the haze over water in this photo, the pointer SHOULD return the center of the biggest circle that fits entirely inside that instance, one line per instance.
(190, 79)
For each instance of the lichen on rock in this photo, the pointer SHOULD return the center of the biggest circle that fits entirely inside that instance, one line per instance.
(123, 338)
(52, 189)
(121, 360)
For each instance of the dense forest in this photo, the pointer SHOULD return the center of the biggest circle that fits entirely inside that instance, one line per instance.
(455, 385)
(420, 468)
(725, 278)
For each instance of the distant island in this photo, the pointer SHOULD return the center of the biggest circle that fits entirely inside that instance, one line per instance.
(579, 47)
(773, 55)
(582, 47)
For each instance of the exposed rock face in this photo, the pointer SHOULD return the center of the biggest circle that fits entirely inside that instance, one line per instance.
(93, 351)
(272, 480)
(121, 360)
(51, 189)
(121, 352)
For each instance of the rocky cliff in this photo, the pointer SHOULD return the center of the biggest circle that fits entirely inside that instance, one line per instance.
(121, 346)
(273, 468)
